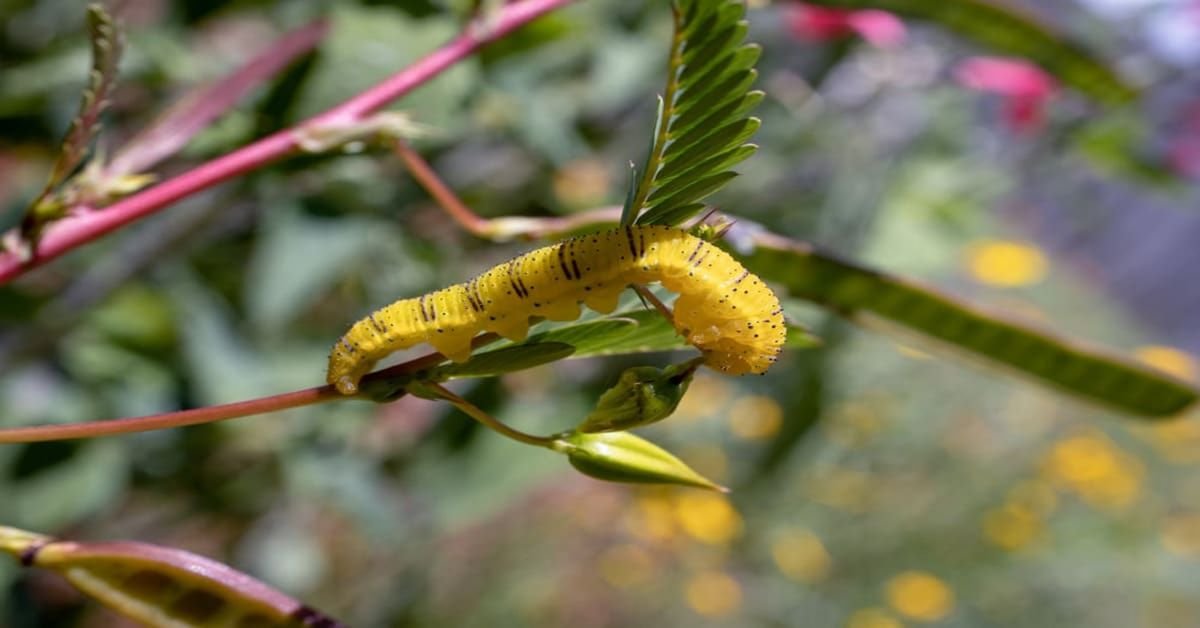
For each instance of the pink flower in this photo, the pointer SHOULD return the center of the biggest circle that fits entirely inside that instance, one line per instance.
(1183, 154)
(1024, 86)
(813, 23)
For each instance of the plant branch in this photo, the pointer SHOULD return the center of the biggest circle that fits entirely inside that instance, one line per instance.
(71, 232)
(505, 227)
(181, 418)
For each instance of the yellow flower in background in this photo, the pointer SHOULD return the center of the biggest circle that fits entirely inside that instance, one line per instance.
(1169, 360)
(708, 460)
(755, 417)
(1006, 263)
(652, 519)
(706, 396)
(1034, 495)
(1181, 534)
(855, 423)
(626, 566)
(1178, 441)
(873, 618)
(919, 595)
(714, 594)
(800, 555)
(1012, 527)
(848, 490)
(582, 184)
(707, 517)
(1097, 470)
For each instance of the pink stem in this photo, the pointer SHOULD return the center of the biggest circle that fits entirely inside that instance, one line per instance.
(68, 233)
(181, 418)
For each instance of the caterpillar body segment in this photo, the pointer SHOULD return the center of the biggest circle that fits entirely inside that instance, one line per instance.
(723, 310)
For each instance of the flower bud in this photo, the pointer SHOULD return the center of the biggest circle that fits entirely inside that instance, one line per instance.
(643, 395)
(624, 457)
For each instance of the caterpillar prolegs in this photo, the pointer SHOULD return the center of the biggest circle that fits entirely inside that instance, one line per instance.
(723, 310)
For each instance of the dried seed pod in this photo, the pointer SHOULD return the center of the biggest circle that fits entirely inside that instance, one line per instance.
(164, 587)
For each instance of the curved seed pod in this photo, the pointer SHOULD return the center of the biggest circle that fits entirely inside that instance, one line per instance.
(162, 586)
(643, 395)
(875, 298)
(624, 457)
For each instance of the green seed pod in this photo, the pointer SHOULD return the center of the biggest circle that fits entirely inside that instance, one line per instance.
(624, 457)
(643, 395)
(162, 586)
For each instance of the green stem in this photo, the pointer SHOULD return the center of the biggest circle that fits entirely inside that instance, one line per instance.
(660, 140)
(475, 412)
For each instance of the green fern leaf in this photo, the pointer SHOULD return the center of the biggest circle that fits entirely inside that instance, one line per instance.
(702, 123)
(107, 45)
(52, 203)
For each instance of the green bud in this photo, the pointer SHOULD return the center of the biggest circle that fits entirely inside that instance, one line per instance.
(624, 457)
(643, 395)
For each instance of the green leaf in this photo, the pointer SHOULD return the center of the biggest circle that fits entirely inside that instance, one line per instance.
(506, 360)
(869, 296)
(1003, 30)
(701, 123)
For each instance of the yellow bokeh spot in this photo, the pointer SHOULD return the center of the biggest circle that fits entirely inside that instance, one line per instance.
(1169, 360)
(872, 618)
(1096, 470)
(1035, 495)
(912, 352)
(707, 517)
(1006, 263)
(627, 565)
(1178, 441)
(920, 595)
(652, 519)
(714, 594)
(755, 417)
(706, 396)
(708, 460)
(1181, 534)
(800, 555)
(582, 184)
(845, 489)
(854, 424)
(1012, 527)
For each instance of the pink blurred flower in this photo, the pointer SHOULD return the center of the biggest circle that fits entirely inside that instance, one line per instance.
(813, 23)
(1183, 154)
(1024, 86)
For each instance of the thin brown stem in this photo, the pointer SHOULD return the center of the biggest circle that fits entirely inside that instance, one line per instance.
(475, 412)
(445, 197)
(503, 228)
(195, 416)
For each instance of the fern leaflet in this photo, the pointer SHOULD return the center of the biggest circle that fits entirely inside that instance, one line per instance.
(702, 123)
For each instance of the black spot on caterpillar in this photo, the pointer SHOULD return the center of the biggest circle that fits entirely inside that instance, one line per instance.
(723, 310)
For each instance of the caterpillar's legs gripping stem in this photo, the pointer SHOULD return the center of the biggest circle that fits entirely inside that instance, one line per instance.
(649, 299)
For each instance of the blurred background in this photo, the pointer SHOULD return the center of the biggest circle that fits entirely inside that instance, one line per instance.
(876, 484)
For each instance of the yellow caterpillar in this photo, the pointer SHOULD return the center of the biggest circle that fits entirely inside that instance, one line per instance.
(722, 309)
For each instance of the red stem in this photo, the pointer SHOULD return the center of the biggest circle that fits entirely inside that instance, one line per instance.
(181, 418)
(68, 233)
